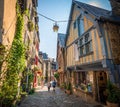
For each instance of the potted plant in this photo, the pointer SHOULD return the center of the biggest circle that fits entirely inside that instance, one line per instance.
(68, 88)
(113, 95)
(62, 85)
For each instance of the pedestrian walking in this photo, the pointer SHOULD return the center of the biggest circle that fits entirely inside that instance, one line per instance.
(49, 85)
(54, 85)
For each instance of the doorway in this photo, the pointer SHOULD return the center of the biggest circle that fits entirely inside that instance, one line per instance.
(101, 78)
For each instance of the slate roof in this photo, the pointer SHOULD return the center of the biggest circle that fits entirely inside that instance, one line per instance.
(61, 39)
(99, 13)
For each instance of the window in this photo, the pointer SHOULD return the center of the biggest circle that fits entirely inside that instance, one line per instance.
(87, 37)
(82, 82)
(88, 47)
(85, 44)
(81, 50)
(80, 26)
(81, 77)
(81, 41)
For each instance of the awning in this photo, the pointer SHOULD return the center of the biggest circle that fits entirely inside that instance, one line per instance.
(93, 66)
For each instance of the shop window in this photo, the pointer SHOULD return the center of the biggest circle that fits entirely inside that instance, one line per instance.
(82, 82)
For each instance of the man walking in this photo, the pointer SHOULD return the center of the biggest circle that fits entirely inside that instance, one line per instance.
(54, 85)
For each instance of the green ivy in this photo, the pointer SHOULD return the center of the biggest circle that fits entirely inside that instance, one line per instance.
(56, 75)
(10, 89)
(27, 13)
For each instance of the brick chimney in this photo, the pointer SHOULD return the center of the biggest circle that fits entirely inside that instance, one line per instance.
(115, 4)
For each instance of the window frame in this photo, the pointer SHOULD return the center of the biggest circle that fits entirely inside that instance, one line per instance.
(80, 20)
(82, 43)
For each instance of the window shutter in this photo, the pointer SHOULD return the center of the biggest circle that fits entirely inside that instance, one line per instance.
(76, 52)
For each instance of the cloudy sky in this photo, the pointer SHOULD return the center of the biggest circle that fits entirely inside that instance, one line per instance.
(58, 10)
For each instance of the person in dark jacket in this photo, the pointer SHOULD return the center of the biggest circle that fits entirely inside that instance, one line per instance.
(54, 85)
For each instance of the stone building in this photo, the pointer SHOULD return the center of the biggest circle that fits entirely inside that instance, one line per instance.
(92, 50)
(49, 67)
(31, 37)
(53, 67)
(45, 66)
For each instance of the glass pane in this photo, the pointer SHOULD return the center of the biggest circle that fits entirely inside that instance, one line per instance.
(86, 37)
(80, 26)
(81, 41)
(81, 50)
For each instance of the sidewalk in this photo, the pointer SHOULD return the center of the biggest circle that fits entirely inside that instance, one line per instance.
(43, 98)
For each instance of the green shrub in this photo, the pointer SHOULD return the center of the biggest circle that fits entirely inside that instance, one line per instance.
(68, 87)
(113, 93)
(56, 75)
(32, 91)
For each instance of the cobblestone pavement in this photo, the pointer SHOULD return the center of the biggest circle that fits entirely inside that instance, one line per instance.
(43, 98)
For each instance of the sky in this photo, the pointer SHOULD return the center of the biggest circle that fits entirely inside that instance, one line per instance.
(58, 10)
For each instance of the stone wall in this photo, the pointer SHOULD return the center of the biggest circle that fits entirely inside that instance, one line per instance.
(114, 38)
(115, 4)
(84, 95)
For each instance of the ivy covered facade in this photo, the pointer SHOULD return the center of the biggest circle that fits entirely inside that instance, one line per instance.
(20, 48)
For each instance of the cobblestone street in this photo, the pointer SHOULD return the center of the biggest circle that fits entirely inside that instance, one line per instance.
(43, 98)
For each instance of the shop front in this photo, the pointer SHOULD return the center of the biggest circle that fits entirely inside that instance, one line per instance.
(90, 85)
(89, 82)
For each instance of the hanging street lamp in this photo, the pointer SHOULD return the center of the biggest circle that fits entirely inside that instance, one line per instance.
(55, 27)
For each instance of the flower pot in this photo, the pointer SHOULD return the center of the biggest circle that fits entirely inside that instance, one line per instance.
(68, 92)
(109, 104)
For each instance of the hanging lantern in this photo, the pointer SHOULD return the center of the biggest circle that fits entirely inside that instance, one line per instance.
(55, 27)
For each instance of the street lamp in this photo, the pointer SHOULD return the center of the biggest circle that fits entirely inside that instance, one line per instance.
(55, 27)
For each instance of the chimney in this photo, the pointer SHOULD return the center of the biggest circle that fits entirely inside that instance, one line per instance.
(115, 4)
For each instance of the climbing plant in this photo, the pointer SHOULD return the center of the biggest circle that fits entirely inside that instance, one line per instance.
(56, 75)
(10, 90)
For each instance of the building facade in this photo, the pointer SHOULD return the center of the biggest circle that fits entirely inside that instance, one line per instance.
(92, 52)
(61, 57)
(30, 33)
(7, 30)
(49, 68)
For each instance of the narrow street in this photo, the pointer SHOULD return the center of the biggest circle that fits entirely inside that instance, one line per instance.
(43, 98)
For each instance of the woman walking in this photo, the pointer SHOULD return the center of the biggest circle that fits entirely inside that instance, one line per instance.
(48, 85)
